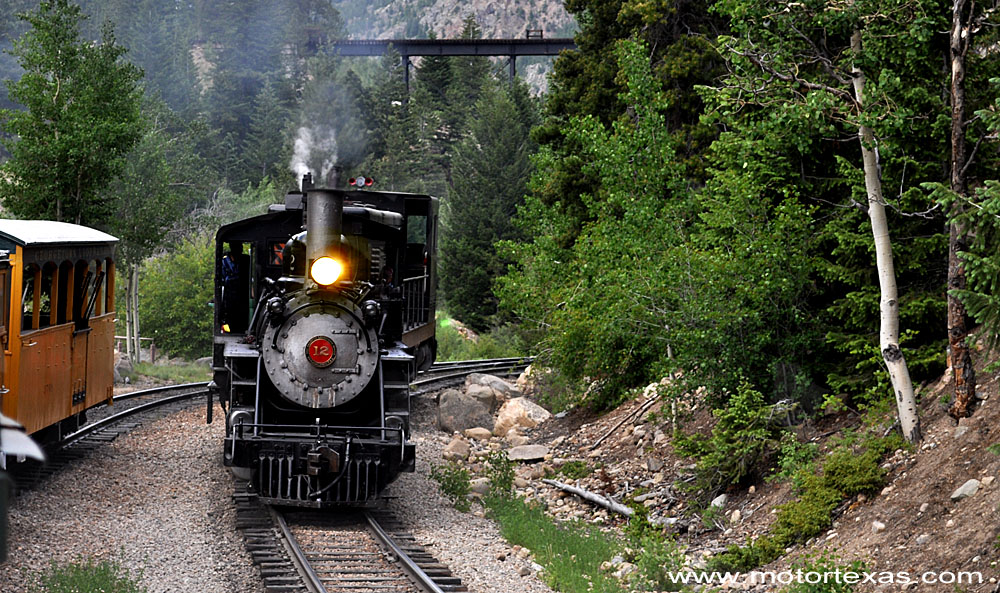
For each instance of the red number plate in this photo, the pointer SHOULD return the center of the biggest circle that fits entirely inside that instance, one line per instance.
(321, 351)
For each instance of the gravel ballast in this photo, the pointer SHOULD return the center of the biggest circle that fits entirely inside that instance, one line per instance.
(159, 501)
(469, 544)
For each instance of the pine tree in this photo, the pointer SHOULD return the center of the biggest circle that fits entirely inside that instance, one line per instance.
(490, 172)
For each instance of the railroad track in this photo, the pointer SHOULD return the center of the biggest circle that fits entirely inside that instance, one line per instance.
(447, 374)
(128, 411)
(346, 551)
(352, 550)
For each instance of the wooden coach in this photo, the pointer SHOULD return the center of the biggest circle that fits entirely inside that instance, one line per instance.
(57, 322)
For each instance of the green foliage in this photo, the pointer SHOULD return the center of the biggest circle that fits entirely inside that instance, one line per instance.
(639, 307)
(500, 471)
(824, 563)
(851, 468)
(490, 169)
(453, 480)
(794, 458)
(981, 216)
(994, 448)
(157, 184)
(88, 574)
(175, 295)
(175, 373)
(817, 110)
(654, 552)
(500, 342)
(571, 554)
(744, 435)
(575, 469)
(657, 555)
(81, 118)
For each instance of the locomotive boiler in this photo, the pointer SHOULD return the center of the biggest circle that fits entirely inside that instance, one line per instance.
(324, 311)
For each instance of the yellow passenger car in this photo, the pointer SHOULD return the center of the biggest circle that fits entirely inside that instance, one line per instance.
(57, 323)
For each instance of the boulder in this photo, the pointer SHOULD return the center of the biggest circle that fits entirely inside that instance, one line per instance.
(457, 450)
(485, 395)
(515, 439)
(479, 433)
(123, 368)
(458, 411)
(965, 490)
(503, 389)
(519, 412)
(527, 453)
(522, 380)
(479, 485)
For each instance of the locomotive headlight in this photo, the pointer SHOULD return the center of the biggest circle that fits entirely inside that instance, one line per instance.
(325, 271)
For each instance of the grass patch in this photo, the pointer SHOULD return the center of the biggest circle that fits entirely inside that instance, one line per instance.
(90, 575)
(570, 553)
(187, 372)
(575, 469)
(500, 342)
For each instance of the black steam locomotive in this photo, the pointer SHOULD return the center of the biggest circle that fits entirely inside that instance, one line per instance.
(324, 313)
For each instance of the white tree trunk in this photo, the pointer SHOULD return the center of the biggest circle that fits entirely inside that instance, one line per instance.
(899, 374)
(128, 314)
(134, 311)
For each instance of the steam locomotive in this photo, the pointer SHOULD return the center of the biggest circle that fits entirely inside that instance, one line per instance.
(324, 312)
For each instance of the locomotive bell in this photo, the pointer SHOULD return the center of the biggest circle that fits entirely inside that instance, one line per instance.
(324, 224)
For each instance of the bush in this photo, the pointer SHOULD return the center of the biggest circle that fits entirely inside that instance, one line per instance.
(500, 471)
(454, 483)
(744, 436)
(175, 295)
(576, 469)
(823, 563)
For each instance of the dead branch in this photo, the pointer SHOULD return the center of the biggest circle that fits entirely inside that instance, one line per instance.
(589, 496)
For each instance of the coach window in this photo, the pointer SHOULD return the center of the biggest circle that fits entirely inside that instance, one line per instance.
(65, 293)
(31, 298)
(109, 298)
(96, 309)
(83, 278)
(48, 298)
(4, 304)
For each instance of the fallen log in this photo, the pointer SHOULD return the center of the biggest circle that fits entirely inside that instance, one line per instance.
(587, 495)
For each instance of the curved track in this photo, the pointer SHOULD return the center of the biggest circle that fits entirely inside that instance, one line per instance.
(447, 374)
(138, 407)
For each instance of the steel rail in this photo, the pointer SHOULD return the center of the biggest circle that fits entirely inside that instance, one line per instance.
(421, 578)
(309, 577)
(458, 364)
(154, 390)
(105, 422)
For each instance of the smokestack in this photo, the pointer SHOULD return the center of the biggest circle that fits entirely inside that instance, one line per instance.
(324, 216)
(307, 182)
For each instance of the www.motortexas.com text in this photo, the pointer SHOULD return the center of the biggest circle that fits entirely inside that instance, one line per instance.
(848, 577)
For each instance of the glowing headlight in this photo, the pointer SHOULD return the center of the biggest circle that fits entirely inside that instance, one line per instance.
(325, 271)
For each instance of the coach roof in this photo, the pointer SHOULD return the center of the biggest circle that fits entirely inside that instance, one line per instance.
(48, 232)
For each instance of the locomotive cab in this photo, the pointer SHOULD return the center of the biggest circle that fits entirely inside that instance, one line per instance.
(317, 339)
